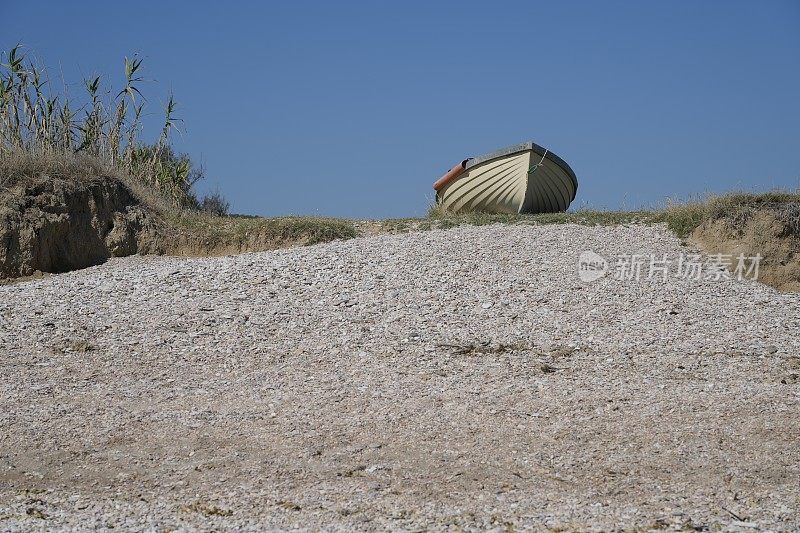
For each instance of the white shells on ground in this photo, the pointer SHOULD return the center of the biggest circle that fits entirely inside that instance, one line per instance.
(461, 378)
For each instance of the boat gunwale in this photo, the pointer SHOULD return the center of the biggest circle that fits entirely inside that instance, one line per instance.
(525, 147)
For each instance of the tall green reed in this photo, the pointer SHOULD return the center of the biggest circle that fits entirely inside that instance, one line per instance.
(105, 125)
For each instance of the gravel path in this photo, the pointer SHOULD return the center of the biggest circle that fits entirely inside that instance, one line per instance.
(443, 379)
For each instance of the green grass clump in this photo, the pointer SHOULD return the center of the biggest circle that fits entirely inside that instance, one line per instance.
(252, 233)
(735, 208)
(311, 230)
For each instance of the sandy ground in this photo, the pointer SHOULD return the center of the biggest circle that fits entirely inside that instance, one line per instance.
(460, 379)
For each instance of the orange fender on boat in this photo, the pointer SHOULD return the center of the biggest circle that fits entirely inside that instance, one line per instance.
(451, 175)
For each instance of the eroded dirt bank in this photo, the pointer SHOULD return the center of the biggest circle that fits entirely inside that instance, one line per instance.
(773, 234)
(56, 225)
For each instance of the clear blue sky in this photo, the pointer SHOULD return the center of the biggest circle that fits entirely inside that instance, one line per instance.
(355, 108)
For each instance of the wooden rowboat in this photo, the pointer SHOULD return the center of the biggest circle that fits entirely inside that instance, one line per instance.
(524, 178)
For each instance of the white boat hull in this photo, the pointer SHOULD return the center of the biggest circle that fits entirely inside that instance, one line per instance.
(524, 178)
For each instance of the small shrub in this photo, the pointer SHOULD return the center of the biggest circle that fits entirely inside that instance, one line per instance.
(214, 204)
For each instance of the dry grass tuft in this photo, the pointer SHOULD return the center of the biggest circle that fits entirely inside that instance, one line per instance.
(205, 509)
(20, 166)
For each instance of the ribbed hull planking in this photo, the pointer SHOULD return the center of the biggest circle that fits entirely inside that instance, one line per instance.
(524, 178)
